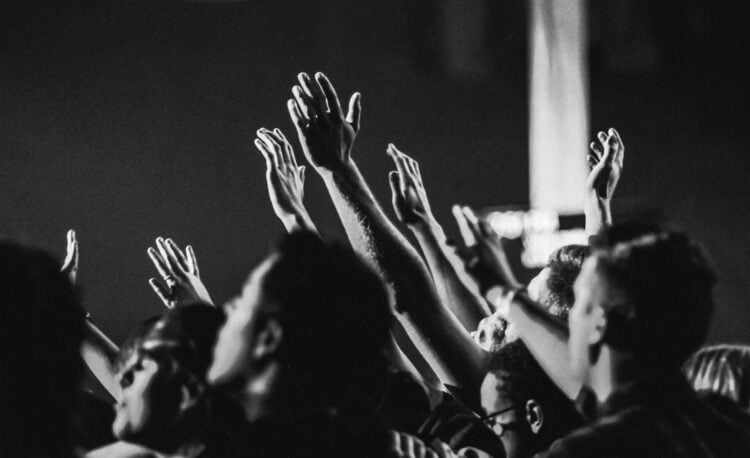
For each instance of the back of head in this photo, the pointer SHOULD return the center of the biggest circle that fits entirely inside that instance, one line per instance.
(664, 305)
(723, 370)
(564, 266)
(523, 379)
(334, 312)
(41, 329)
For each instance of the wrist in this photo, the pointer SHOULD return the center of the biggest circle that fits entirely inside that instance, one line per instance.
(343, 168)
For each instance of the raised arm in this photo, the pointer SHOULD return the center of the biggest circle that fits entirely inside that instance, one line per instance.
(545, 335)
(285, 180)
(326, 136)
(412, 208)
(606, 162)
(181, 282)
(98, 352)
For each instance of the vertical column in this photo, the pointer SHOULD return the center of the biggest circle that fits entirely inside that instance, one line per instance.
(558, 124)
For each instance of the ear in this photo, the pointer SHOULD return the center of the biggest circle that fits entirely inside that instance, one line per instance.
(191, 392)
(268, 340)
(534, 415)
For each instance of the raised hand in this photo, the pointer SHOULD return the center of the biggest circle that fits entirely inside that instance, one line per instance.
(409, 196)
(485, 260)
(181, 283)
(605, 161)
(70, 265)
(285, 179)
(325, 132)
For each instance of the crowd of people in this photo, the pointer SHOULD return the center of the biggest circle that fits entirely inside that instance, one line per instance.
(369, 349)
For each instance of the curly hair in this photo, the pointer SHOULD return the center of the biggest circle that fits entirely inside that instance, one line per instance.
(564, 266)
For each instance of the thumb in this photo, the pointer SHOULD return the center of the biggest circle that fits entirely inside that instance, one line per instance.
(355, 111)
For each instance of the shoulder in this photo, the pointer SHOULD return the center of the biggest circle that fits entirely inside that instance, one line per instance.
(610, 436)
(121, 450)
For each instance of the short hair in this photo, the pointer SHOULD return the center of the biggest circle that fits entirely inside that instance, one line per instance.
(183, 338)
(333, 309)
(523, 379)
(723, 370)
(181, 341)
(41, 330)
(564, 266)
(667, 300)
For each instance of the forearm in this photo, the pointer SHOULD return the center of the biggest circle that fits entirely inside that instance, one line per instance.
(433, 329)
(100, 355)
(457, 292)
(547, 338)
(598, 215)
(300, 221)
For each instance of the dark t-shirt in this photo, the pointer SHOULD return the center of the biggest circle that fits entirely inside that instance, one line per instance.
(318, 433)
(659, 416)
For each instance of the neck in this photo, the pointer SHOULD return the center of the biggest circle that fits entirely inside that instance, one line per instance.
(612, 371)
(263, 393)
(184, 439)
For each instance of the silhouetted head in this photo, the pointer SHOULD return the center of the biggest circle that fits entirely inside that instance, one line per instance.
(316, 313)
(648, 298)
(41, 329)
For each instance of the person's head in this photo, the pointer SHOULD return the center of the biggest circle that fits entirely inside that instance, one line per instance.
(723, 370)
(41, 329)
(552, 287)
(648, 298)
(316, 314)
(522, 405)
(163, 366)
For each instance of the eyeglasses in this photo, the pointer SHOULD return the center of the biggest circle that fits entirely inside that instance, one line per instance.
(490, 421)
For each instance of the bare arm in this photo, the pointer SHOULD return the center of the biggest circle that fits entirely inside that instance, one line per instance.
(326, 137)
(606, 162)
(98, 352)
(100, 355)
(413, 209)
(544, 334)
(286, 182)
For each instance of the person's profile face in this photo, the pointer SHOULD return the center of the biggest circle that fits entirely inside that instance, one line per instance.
(510, 426)
(232, 352)
(582, 320)
(148, 401)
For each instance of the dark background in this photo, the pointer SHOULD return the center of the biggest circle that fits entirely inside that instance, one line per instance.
(129, 120)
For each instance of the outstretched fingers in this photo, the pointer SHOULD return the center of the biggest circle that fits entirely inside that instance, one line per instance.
(162, 291)
(313, 91)
(355, 111)
(176, 255)
(299, 121)
(463, 226)
(192, 261)
(401, 165)
(160, 263)
(306, 104)
(287, 147)
(332, 99)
